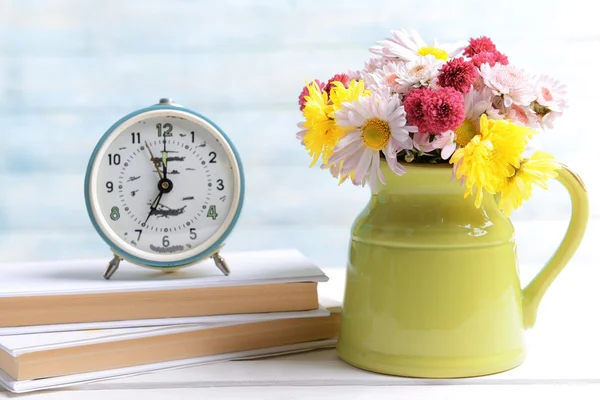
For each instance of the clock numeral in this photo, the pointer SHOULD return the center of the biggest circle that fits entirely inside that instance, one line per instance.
(114, 159)
(193, 234)
(114, 214)
(139, 232)
(135, 137)
(212, 212)
(213, 156)
(164, 129)
(193, 136)
(165, 241)
(220, 185)
(109, 187)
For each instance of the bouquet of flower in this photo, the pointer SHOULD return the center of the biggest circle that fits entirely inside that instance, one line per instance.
(462, 104)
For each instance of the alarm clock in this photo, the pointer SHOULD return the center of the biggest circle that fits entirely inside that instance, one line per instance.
(164, 188)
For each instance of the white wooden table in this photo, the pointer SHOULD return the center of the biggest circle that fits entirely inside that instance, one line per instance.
(563, 349)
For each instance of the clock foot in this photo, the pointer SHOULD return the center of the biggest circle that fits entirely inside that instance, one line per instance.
(221, 264)
(113, 265)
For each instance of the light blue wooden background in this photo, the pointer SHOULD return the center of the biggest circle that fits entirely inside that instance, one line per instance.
(69, 69)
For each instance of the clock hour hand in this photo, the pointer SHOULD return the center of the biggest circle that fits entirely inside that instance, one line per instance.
(154, 161)
(153, 207)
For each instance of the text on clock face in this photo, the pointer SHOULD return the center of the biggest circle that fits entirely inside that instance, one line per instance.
(165, 185)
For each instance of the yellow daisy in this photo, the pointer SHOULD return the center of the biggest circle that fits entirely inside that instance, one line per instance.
(536, 170)
(340, 94)
(321, 133)
(491, 157)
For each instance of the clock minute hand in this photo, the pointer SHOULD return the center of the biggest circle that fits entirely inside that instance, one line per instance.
(165, 159)
(153, 207)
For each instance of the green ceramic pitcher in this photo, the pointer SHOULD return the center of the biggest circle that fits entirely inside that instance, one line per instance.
(432, 283)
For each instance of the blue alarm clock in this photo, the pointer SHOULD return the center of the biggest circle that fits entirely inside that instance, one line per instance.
(164, 188)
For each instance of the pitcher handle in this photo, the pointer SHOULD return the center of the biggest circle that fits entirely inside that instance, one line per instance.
(533, 293)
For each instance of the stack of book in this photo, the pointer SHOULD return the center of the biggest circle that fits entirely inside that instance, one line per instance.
(62, 323)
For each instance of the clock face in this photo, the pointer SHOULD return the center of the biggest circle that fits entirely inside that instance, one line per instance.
(164, 187)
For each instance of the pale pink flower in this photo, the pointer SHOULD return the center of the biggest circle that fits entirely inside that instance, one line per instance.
(418, 72)
(551, 93)
(384, 77)
(301, 133)
(421, 142)
(551, 100)
(376, 124)
(375, 63)
(354, 74)
(478, 102)
(445, 141)
(523, 116)
(513, 84)
(547, 121)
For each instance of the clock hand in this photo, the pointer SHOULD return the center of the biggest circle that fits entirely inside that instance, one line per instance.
(165, 156)
(154, 161)
(153, 206)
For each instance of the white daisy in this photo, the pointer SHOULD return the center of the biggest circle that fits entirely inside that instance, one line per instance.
(418, 72)
(384, 77)
(408, 45)
(513, 84)
(376, 124)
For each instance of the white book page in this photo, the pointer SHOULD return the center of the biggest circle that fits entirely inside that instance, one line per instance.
(86, 276)
(17, 345)
(68, 380)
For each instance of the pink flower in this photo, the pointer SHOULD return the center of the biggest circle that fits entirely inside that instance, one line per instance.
(480, 45)
(488, 57)
(343, 78)
(301, 99)
(435, 111)
(458, 74)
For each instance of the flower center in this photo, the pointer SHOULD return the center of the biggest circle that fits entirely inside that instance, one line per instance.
(391, 79)
(546, 94)
(434, 51)
(376, 133)
(465, 132)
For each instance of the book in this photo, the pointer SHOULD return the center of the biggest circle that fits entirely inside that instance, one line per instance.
(25, 330)
(69, 380)
(74, 291)
(39, 357)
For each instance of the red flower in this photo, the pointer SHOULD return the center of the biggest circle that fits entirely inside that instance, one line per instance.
(414, 105)
(480, 45)
(343, 78)
(435, 111)
(458, 74)
(301, 99)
